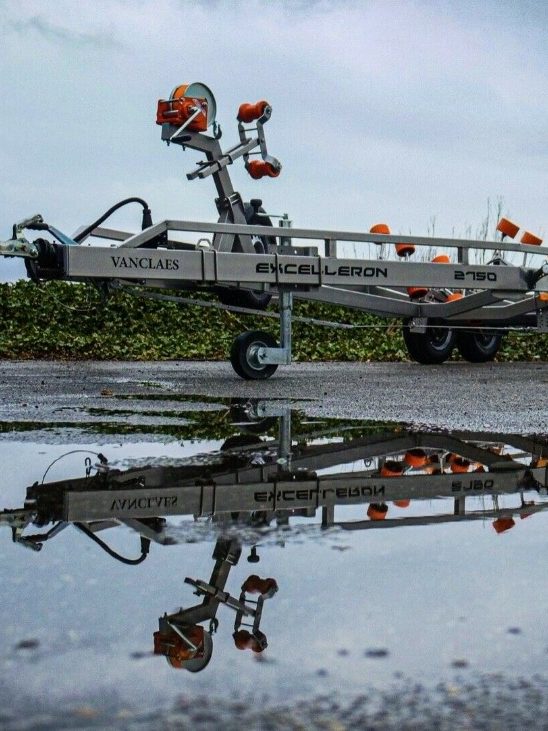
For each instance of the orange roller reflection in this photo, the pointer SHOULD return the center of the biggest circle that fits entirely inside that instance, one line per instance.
(416, 292)
(391, 468)
(503, 524)
(416, 458)
(460, 465)
(377, 511)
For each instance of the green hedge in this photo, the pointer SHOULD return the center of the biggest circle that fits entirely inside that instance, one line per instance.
(64, 320)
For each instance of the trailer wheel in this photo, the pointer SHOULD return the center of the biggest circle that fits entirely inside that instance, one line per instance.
(432, 347)
(241, 413)
(252, 298)
(243, 355)
(478, 347)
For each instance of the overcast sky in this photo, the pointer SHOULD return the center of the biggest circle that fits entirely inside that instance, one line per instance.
(393, 110)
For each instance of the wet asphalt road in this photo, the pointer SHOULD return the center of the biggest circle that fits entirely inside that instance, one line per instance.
(492, 397)
(504, 397)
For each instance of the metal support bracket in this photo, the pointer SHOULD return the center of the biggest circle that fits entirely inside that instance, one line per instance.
(418, 325)
(542, 320)
(281, 355)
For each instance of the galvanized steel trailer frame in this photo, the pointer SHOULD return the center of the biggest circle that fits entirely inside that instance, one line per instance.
(496, 297)
(236, 256)
(290, 481)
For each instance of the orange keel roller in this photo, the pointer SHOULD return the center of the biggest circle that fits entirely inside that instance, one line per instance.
(380, 228)
(405, 249)
(248, 113)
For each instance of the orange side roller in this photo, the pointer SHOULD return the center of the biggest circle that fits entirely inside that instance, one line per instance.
(259, 169)
(248, 113)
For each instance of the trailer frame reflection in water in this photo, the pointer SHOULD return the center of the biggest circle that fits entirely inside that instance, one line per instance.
(265, 481)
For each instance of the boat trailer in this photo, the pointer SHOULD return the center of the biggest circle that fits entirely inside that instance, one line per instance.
(246, 261)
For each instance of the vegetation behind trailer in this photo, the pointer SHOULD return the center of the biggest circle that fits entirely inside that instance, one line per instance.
(65, 320)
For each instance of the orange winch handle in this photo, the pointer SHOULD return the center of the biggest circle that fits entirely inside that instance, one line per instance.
(249, 112)
(258, 169)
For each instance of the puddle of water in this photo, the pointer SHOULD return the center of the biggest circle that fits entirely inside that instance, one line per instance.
(326, 555)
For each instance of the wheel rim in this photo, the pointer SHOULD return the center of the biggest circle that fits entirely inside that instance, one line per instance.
(485, 340)
(440, 339)
(252, 356)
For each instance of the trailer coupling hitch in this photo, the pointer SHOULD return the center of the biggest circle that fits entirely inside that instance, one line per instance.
(18, 245)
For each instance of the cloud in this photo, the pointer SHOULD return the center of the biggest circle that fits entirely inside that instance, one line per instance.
(59, 34)
(398, 110)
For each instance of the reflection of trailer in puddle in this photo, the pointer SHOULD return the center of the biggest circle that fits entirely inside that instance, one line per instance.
(243, 260)
(271, 481)
(258, 478)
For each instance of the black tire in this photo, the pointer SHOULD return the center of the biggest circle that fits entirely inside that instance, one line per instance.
(240, 441)
(432, 347)
(242, 356)
(240, 415)
(478, 347)
(253, 298)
